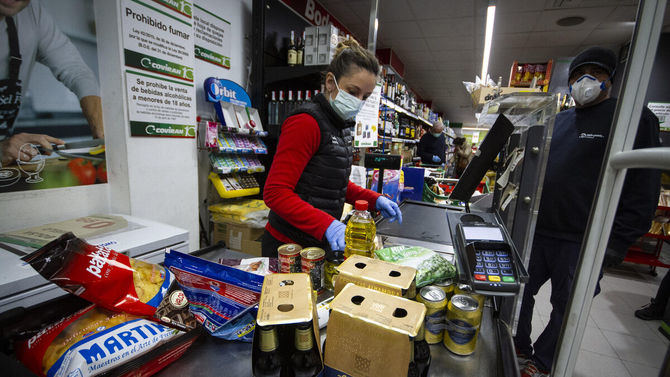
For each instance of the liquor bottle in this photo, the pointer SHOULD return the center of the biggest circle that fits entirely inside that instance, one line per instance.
(290, 104)
(272, 109)
(268, 360)
(292, 52)
(308, 96)
(299, 101)
(421, 352)
(301, 49)
(305, 360)
(281, 108)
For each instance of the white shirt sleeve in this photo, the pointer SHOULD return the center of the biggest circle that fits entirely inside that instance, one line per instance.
(56, 51)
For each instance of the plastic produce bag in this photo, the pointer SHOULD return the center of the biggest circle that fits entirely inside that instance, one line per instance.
(430, 266)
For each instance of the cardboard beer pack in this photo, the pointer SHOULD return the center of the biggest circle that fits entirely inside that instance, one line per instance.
(370, 333)
(286, 300)
(376, 274)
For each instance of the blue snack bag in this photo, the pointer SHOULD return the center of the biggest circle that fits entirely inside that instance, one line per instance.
(222, 298)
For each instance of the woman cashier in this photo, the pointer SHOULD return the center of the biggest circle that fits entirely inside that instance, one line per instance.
(308, 182)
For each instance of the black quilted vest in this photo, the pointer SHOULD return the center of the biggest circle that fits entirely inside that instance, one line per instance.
(323, 182)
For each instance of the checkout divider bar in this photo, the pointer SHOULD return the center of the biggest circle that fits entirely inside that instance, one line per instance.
(613, 171)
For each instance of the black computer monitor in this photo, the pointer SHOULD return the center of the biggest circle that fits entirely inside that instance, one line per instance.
(493, 143)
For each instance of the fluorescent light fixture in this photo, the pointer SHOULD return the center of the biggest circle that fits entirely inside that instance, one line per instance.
(490, 17)
(376, 23)
(475, 129)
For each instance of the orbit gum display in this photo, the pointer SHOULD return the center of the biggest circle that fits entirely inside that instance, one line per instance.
(113, 280)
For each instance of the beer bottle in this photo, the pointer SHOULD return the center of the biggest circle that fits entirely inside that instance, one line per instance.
(305, 359)
(421, 352)
(268, 360)
(412, 370)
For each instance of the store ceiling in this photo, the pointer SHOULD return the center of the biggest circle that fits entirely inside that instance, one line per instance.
(441, 41)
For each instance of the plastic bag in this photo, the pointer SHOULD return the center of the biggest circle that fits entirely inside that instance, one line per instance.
(93, 341)
(251, 212)
(217, 294)
(430, 266)
(112, 280)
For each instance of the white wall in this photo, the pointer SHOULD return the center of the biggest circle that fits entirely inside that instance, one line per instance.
(238, 13)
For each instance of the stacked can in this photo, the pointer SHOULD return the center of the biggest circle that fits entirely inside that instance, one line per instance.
(312, 259)
(289, 258)
(464, 315)
(465, 289)
(435, 300)
(447, 286)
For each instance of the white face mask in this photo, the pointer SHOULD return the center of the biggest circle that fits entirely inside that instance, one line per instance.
(344, 104)
(586, 89)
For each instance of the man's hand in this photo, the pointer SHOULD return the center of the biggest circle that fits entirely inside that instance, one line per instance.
(91, 106)
(9, 148)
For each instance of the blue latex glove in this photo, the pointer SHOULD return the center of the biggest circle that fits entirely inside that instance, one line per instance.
(389, 209)
(436, 158)
(335, 235)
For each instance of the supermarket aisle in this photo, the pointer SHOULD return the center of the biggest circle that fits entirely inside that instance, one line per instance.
(616, 343)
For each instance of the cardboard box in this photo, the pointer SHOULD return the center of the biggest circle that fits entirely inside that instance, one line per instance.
(370, 332)
(327, 43)
(238, 237)
(286, 300)
(483, 95)
(311, 42)
(376, 274)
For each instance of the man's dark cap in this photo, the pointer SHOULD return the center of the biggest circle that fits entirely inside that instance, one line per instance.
(600, 56)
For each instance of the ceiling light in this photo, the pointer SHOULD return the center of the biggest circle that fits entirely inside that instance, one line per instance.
(488, 39)
(570, 21)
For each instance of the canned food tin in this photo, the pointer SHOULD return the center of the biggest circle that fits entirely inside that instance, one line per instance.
(435, 301)
(313, 259)
(447, 286)
(464, 315)
(465, 289)
(289, 258)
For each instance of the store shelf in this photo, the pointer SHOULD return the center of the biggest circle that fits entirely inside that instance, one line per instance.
(231, 187)
(657, 236)
(235, 164)
(281, 73)
(401, 109)
(233, 130)
(234, 143)
(398, 140)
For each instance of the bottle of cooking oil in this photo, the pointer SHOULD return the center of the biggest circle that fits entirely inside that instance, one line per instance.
(361, 231)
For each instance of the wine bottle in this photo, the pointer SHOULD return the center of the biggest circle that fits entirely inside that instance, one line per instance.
(292, 52)
(412, 370)
(301, 50)
(272, 109)
(268, 360)
(421, 352)
(305, 360)
(281, 108)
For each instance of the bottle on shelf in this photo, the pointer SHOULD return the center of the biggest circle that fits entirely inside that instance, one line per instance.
(360, 232)
(305, 360)
(308, 96)
(298, 101)
(301, 50)
(292, 52)
(268, 359)
(272, 109)
(281, 108)
(290, 104)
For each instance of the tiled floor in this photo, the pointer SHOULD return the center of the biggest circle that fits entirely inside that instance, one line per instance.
(616, 343)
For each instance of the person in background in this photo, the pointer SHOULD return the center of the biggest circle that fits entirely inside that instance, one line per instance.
(656, 308)
(578, 146)
(308, 182)
(432, 146)
(28, 34)
(462, 155)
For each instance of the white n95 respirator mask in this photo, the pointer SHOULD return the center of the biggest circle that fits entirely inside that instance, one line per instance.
(586, 89)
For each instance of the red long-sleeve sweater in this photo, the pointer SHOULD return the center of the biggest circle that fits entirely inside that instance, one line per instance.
(299, 141)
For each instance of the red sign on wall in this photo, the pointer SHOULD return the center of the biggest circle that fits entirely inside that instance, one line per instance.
(314, 13)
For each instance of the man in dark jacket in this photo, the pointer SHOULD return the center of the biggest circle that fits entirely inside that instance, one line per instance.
(576, 154)
(432, 146)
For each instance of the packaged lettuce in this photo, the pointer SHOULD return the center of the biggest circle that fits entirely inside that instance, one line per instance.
(431, 267)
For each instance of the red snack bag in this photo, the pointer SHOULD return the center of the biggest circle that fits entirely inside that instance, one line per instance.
(113, 280)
